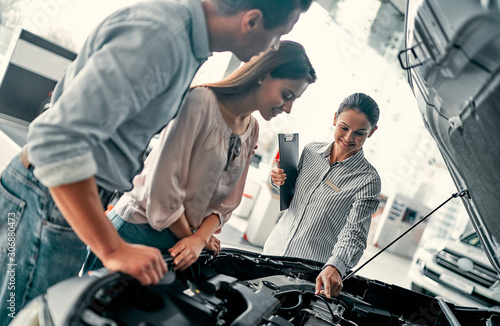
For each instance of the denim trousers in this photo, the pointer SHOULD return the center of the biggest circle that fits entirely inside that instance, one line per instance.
(134, 233)
(37, 246)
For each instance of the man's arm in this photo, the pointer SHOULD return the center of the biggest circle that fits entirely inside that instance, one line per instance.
(80, 204)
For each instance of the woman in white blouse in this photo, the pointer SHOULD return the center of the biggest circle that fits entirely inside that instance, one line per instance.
(194, 176)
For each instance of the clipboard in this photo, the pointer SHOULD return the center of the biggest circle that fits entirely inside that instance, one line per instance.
(288, 145)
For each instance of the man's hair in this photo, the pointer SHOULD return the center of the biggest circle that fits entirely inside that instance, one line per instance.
(290, 61)
(275, 12)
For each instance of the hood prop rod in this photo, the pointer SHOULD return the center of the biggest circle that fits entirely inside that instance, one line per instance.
(455, 195)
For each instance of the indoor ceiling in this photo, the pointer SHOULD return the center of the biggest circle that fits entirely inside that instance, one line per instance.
(400, 5)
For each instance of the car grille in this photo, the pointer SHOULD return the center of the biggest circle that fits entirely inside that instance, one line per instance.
(480, 274)
(474, 296)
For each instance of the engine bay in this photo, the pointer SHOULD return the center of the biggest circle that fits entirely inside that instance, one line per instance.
(244, 288)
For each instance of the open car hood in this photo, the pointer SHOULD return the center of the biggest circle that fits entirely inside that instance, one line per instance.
(453, 64)
(241, 288)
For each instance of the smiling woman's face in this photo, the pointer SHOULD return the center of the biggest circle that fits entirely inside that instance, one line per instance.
(275, 95)
(351, 130)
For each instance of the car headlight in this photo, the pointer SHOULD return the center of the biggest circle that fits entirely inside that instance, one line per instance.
(434, 245)
(421, 265)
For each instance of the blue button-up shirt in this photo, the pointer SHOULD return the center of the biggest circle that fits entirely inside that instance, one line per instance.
(330, 214)
(127, 82)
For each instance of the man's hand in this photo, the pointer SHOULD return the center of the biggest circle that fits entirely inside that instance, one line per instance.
(186, 251)
(144, 263)
(80, 205)
(331, 280)
(213, 245)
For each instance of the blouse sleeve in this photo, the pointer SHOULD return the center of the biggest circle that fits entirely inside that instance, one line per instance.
(233, 200)
(168, 163)
(352, 238)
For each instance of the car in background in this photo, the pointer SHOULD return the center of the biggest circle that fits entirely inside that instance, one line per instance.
(457, 270)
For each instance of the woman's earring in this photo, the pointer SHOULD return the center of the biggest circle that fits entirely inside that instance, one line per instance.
(259, 82)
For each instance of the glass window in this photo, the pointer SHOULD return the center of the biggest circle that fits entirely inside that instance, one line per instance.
(11, 15)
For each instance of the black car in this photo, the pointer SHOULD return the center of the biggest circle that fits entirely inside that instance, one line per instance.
(240, 288)
(452, 59)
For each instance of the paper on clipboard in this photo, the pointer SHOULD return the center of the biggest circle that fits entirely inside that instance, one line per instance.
(289, 159)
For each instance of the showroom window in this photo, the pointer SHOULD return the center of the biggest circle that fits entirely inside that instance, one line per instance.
(11, 15)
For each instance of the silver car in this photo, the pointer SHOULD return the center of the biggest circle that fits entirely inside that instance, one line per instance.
(452, 59)
(457, 270)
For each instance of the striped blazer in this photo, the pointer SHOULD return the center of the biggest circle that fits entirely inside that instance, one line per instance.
(330, 214)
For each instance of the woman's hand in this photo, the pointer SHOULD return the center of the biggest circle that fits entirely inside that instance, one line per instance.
(331, 281)
(186, 251)
(213, 245)
(278, 176)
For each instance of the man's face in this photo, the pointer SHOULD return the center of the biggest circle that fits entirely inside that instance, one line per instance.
(258, 39)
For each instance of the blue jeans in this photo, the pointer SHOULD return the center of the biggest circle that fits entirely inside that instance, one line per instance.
(37, 246)
(134, 233)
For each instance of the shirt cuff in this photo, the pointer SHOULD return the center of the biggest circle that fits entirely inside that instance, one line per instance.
(159, 222)
(338, 264)
(67, 171)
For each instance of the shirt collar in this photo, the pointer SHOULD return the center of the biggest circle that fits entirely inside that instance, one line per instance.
(325, 152)
(199, 32)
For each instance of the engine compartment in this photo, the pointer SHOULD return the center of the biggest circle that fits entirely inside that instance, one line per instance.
(243, 288)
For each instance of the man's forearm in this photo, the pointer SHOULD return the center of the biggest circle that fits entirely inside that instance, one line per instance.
(80, 204)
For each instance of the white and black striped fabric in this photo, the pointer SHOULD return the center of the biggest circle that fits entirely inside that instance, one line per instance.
(330, 214)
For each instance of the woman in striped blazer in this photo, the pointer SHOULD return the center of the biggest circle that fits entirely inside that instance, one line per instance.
(336, 192)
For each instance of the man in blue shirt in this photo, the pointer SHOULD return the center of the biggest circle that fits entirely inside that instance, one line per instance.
(127, 82)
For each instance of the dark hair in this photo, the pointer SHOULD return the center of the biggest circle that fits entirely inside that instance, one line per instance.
(362, 103)
(275, 12)
(290, 61)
